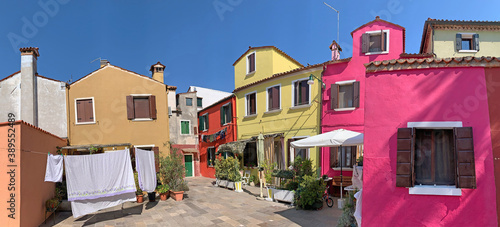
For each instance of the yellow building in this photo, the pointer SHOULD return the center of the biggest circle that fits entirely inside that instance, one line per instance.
(449, 38)
(113, 108)
(274, 98)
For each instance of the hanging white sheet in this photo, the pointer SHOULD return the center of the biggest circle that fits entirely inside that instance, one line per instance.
(357, 212)
(54, 169)
(146, 171)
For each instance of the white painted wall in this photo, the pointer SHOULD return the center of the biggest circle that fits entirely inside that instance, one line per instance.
(10, 95)
(210, 96)
(52, 114)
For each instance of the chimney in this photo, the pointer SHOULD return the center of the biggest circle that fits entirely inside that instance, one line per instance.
(335, 47)
(157, 70)
(104, 62)
(29, 110)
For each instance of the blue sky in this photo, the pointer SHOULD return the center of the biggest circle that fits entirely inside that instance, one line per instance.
(199, 40)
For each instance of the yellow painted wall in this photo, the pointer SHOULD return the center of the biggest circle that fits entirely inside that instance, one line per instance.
(293, 122)
(109, 87)
(268, 62)
(444, 43)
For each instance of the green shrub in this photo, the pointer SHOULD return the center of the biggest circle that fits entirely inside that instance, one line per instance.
(268, 170)
(310, 192)
(228, 169)
(302, 167)
(291, 185)
(254, 179)
(285, 174)
(347, 219)
(172, 171)
(162, 188)
(138, 190)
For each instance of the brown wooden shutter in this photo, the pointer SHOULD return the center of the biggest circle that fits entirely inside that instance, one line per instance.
(405, 157)
(130, 107)
(333, 157)
(270, 99)
(253, 103)
(382, 41)
(288, 153)
(152, 106)
(304, 89)
(80, 112)
(89, 111)
(464, 149)
(251, 62)
(156, 150)
(354, 149)
(459, 42)
(296, 96)
(334, 96)
(356, 96)
(275, 98)
(365, 43)
(475, 40)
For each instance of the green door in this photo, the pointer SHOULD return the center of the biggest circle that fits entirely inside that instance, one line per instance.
(188, 164)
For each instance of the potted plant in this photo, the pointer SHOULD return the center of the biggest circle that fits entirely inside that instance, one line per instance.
(359, 161)
(163, 190)
(172, 173)
(138, 190)
(286, 193)
(254, 180)
(52, 204)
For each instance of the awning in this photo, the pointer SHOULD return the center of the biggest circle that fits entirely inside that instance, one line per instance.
(96, 146)
(235, 147)
(190, 150)
(336, 138)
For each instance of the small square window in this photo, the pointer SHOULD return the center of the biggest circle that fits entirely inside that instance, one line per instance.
(85, 111)
(466, 44)
(189, 101)
(185, 128)
(199, 102)
(346, 96)
(375, 42)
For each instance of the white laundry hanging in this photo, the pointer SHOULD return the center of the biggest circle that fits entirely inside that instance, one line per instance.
(146, 171)
(54, 169)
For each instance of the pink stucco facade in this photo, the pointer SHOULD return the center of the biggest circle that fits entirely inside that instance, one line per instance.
(354, 69)
(394, 98)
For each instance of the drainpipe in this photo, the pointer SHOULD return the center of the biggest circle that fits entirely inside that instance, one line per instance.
(321, 118)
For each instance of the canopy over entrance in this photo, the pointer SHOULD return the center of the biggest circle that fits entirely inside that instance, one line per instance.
(336, 138)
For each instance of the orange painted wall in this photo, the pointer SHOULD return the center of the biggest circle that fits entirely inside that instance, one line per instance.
(5, 178)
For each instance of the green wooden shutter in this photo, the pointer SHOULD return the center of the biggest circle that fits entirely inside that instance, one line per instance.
(184, 127)
(458, 42)
(475, 40)
(222, 115)
(200, 119)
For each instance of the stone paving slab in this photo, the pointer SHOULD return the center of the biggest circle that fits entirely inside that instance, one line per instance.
(204, 205)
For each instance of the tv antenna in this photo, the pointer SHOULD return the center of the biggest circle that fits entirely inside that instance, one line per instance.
(99, 58)
(338, 21)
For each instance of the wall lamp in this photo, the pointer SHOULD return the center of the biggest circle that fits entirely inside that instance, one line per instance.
(311, 80)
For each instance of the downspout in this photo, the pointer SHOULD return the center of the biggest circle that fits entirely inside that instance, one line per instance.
(320, 152)
(68, 115)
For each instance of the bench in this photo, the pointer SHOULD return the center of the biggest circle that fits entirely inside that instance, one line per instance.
(335, 185)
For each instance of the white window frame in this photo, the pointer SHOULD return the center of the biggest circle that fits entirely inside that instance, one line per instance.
(227, 104)
(267, 99)
(292, 149)
(341, 83)
(204, 126)
(472, 39)
(93, 112)
(145, 146)
(293, 94)
(386, 42)
(141, 96)
(248, 63)
(448, 190)
(213, 165)
(246, 104)
(180, 128)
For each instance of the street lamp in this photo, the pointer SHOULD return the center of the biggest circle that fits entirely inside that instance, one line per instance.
(311, 80)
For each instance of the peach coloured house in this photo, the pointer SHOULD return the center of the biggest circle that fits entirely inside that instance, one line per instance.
(428, 157)
(23, 172)
(343, 105)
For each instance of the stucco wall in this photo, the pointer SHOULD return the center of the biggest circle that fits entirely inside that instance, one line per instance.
(109, 87)
(444, 43)
(52, 106)
(392, 100)
(5, 178)
(209, 96)
(10, 94)
(188, 113)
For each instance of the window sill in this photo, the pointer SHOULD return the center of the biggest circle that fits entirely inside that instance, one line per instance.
(85, 123)
(300, 107)
(250, 116)
(345, 109)
(250, 73)
(379, 52)
(435, 190)
(467, 51)
(273, 111)
(346, 168)
(142, 119)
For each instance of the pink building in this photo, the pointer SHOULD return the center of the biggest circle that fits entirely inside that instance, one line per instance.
(427, 147)
(344, 95)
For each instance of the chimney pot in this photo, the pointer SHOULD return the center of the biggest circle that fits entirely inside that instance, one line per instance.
(104, 62)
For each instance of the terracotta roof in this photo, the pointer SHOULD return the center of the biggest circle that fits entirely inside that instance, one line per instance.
(279, 75)
(34, 49)
(216, 103)
(263, 47)
(425, 63)
(30, 125)
(338, 46)
(108, 65)
(377, 19)
(169, 87)
(430, 24)
(11, 75)
(158, 63)
(38, 75)
(411, 55)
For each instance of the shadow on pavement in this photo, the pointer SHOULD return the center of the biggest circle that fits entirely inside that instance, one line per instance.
(100, 217)
(150, 205)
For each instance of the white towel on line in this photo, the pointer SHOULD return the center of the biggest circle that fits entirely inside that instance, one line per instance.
(54, 168)
(94, 177)
(146, 171)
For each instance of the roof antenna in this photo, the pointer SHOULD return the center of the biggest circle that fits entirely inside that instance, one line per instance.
(99, 58)
(338, 21)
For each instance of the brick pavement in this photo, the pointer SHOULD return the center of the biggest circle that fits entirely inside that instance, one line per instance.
(205, 205)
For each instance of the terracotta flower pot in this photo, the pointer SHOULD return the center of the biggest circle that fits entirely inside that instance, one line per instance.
(140, 198)
(164, 196)
(177, 195)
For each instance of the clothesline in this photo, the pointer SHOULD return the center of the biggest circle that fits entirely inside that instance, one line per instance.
(214, 137)
(36, 152)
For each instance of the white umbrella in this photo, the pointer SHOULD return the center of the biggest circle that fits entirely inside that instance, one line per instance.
(336, 138)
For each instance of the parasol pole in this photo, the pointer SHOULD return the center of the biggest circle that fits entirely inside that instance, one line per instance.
(341, 178)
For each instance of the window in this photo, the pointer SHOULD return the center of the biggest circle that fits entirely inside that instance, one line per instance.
(273, 98)
(185, 128)
(295, 152)
(375, 42)
(225, 114)
(251, 107)
(250, 155)
(85, 110)
(342, 156)
(467, 42)
(189, 102)
(199, 102)
(344, 94)
(203, 122)
(251, 63)
(210, 156)
(435, 157)
(300, 92)
(141, 107)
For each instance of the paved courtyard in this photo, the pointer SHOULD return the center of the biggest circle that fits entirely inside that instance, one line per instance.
(205, 205)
